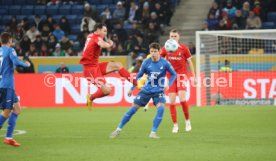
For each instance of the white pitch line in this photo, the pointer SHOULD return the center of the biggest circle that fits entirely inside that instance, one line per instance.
(16, 132)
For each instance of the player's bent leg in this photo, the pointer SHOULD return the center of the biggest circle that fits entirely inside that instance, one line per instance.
(104, 90)
(117, 66)
(11, 125)
(127, 116)
(157, 120)
(4, 116)
(173, 112)
(185, 109)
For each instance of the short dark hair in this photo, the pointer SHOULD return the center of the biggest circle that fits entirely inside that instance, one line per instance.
(155, 45)
(174, 31)
(99, 26)
(5, 38)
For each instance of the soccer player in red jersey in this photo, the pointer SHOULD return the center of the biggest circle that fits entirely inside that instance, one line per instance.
(93, 70)
(179, 60)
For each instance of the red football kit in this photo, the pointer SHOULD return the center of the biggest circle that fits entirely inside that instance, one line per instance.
(178, 59)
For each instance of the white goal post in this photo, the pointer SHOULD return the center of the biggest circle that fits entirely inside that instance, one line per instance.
(245, 59)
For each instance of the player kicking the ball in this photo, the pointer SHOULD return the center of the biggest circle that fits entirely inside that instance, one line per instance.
(8, 99)
(179, 59)
(93, 70)
(156, 68)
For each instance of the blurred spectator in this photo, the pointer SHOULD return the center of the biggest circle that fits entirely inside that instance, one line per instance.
(82, 38)
(167, 10)
(65, 25)
(32, 51)
(226, 67)
(160, 14)
(134, 30)
(32, 33)
(192, 48)
(62, 69)
(230, 9)
(12, 24)
(225, 22)
(117, 48)
(212, 22)
(52, 41)
(129, 44)
(58, 33)
(38, 43)
(90, 12)
(106, 17)
(120, 12)
(58, 51)
(87, 22)
(18, 49)
(44, 50)
(119, 30)
(37, 21)
(45, 32)
(245, 9)
(238, 21)
(49, 22)
(138, 62)
(132, 13)
(25, 43)
(145, 14)
(65, 43)
(257, 8)
(29, 69)
(19, 33)
(43, 2)
(253, 22)
(214, 10)
(151, 34)
(25, 24)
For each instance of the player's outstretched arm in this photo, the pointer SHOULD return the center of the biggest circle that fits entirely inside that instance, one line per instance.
(16, 61)
(191, 66)
(104, 44)
(172, 72)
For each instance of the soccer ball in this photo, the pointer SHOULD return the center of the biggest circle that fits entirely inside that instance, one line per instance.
(171, 45)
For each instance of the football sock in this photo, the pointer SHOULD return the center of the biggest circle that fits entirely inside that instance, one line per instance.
(127, 116)
(2, 120)
(124, 73)
(173, 114)
(98, 94)
(185, 109)
(11, 125)
(158, 118)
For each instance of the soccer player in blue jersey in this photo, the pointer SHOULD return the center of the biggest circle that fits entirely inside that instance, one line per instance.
(156, 68)
(8, 99)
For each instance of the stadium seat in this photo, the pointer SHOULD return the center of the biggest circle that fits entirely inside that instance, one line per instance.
(65, 10)
(2, 28)
(27, 10)
(30, 2)
(57, 17)
(19, 2)
(15, 10)
(6, 19)
(4, 10)
(95, 2)
(112, 8)
(108, 2)
(77, 10)
(268, 25)
(52, 10)
(72, 37)
(20, 17)
(75, 29)
(39, 10)
(7, 2)
(72, 19)
(271, 16)
(100, 8)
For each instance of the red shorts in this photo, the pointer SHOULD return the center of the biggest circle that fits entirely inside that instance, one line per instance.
(95, 75)
(180, 83)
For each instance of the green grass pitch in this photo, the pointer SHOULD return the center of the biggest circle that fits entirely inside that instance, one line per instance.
(221, 133)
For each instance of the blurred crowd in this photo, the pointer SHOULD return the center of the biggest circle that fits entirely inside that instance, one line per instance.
(238, 14)
(132, 26)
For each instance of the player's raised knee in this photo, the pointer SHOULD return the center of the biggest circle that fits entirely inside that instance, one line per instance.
(106, 90)
(6, 113)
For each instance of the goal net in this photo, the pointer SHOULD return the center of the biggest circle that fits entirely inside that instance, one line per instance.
(236, 67)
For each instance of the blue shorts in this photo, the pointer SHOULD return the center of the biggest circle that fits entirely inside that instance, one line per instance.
(143, 98)
(7, 98)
